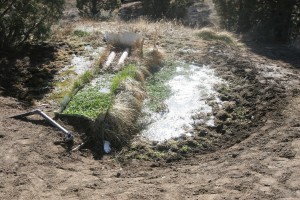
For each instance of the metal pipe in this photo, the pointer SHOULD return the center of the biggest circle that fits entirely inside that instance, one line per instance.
(49, 119)
(68, 136)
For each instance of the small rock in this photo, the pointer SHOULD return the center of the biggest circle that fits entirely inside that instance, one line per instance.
(222, 115)
(118, 175)
(155, 165)
(229, 106)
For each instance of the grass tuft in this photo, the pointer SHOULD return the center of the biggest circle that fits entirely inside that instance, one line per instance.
(210, 35)
(127, 73)
(80, 33)
(154, 60)
(157, 89)
(81, 81)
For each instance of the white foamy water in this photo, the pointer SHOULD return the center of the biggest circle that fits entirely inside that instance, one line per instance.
(81, 64)
(191, 87)
(102, 83)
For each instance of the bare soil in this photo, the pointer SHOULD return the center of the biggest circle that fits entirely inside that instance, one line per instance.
(263, 164)
(254, 155)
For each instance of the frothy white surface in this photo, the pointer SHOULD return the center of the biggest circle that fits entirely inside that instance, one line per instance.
(81, 64)
(191, 89)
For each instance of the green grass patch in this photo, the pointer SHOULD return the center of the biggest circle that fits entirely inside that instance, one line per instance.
(185, 149)
(211, 35)
(241, 113)
(89, 103)
(157, 89)
(128, 72)
(81, 81)
(80, 33)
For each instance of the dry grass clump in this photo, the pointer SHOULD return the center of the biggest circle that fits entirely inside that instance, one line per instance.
(154, 60)
(145, 71)
(122, 117)
(139, 76)
(136, 89)
(99, 63)
(125, 110)
(137, 48)
(211, 34)
(61, 31)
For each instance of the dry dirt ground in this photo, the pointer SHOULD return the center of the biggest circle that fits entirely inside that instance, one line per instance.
(266, 165)
(259, 160)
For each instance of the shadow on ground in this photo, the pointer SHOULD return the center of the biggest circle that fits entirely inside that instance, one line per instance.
(279, 52)
(27, 74)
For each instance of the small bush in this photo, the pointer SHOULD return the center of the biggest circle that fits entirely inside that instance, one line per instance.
(30, 20)
(156, 8)
(80, 33)
(272, 21)
(94, 8)
(166, 8)
(178, 8)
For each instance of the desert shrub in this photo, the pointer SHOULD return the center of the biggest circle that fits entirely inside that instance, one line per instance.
(266, 20)
(178, 8)
(95, 8)
(156, 8)
(27, 20)
(166, 8)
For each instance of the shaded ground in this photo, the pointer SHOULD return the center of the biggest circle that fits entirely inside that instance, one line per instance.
(28, 73)
(284, 53)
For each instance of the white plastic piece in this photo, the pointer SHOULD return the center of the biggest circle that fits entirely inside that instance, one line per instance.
(123, 57)
(110, 59)
(123, 39)
(106, 147)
